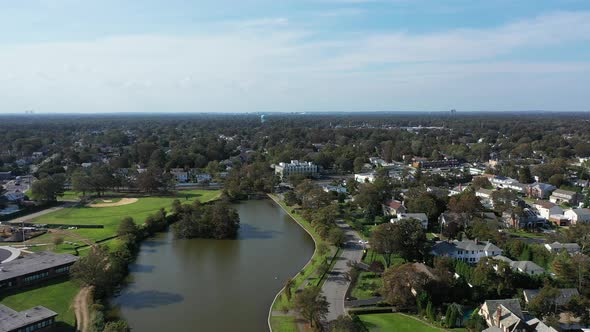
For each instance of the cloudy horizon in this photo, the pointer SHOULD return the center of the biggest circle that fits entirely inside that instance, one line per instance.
(294, 56)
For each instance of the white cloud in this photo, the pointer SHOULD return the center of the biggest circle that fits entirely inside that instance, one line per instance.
(257, 66)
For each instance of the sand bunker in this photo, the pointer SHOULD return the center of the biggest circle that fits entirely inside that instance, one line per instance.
(123, 201)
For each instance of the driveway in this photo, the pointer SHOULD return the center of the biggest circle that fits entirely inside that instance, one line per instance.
(336, 285)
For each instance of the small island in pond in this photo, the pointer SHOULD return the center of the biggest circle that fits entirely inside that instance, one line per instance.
(215, 221)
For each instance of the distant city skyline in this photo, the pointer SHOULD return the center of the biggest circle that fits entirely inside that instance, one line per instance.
(62, 56)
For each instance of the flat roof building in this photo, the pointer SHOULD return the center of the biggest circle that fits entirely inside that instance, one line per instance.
(34, 319)
(296, 167)
(34, 268)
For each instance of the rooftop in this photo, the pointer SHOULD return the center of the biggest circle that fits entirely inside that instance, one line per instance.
(11, 320)
(34, 263)
(445, 247)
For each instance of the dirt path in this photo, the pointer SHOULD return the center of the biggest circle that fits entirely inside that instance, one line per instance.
(30, 217)
(122, 201)
(81, 304)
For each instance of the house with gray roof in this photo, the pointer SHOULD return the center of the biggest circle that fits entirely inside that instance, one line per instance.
(29, 320)
(560, 196)
(556, 247)
(527, 267)
(506, 315)
(34, 268)
(470, 251)
(540, 190)
(421, 217)
(578, 215)
(565, 295)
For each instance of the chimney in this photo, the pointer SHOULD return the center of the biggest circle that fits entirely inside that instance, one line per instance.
(498, 315)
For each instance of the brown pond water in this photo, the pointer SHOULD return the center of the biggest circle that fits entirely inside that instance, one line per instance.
(215, 285)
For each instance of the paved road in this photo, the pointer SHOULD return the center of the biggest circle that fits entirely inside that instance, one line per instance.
(336, 284)
(32, 216)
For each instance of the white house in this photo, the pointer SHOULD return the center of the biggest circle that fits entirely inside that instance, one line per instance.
(296, 167)
(365, 177)
(578, 215)
(469, 251)
(547, 209)
(527, 267)
(339, 188)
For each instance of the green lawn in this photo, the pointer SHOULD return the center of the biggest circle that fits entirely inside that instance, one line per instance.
(110, 217)
(366, 285)
(395, 322)
(56, 295)
(522, 233)
(283, 324)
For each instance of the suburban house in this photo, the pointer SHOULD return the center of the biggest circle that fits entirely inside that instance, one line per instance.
(485, 196)
(307, 168)
(540, 190)
(546, 208)
(14, 196)
(29, 320)
(427, 164)
(484, 193)
(556, 247)
(559, 220)
(179, 174)
(578, 215)
(203, 177)
(501, 181)
(421, 217)
(457, 190)
(527, 267)
(565, 295)
(470, 251)
(365, 177)
(34, 268)
(560, 196)
(458, 218)
(507, 316)
(393, 208)
(5, 176)
(331, 188)
(527, 219)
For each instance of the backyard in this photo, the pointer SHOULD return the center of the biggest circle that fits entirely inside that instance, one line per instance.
(395, 322)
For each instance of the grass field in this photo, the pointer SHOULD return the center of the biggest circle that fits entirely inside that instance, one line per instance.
(283, 324)
(395, 322)
(57, 296)
(110, 217)
(366, 285)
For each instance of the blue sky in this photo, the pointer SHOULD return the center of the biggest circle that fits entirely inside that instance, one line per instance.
(294, 56)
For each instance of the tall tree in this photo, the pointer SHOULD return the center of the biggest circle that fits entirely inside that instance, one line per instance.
(48, 188)
(312, 305)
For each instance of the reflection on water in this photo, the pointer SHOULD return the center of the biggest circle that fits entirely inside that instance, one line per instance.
(148, 299)
(215, 285)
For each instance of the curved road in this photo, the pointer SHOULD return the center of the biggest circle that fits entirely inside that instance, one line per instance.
(336, 284)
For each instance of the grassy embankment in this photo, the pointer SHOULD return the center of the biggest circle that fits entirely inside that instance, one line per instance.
(287, 323)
